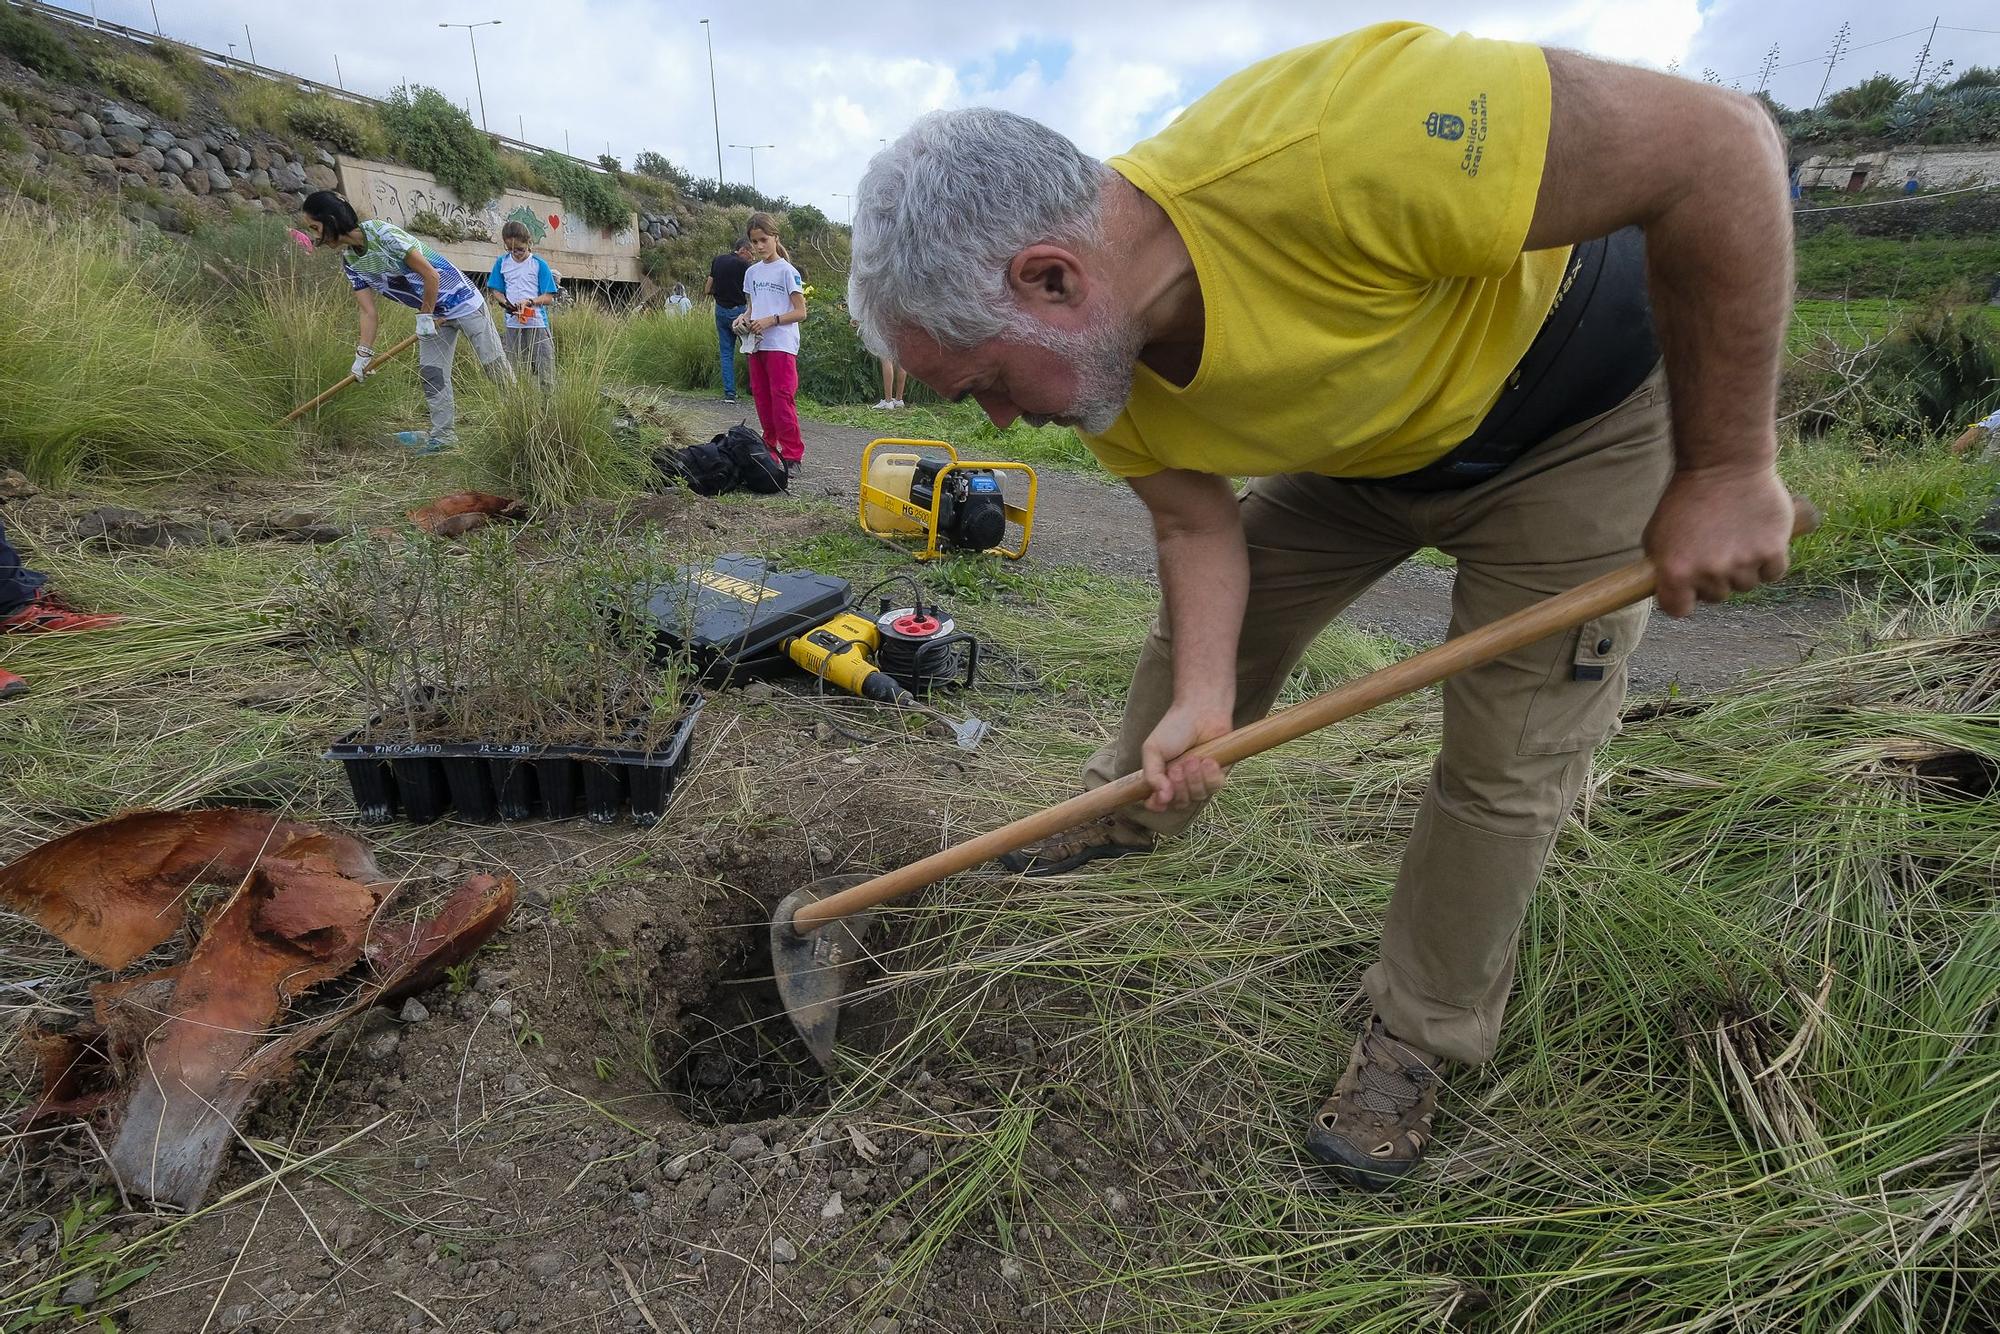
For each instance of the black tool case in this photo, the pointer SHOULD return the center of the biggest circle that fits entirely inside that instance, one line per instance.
(731, 618)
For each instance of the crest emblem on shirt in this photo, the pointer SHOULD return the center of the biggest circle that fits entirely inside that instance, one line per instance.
(1444, 125)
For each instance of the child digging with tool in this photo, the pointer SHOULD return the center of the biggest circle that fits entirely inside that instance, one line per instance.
(522, 282)
(777, 306)
(379, 256)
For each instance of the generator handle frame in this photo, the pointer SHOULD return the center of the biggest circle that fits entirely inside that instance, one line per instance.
(930, 518)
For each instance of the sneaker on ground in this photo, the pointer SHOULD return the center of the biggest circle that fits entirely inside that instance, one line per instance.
(883, 404)
(421, 442)
(729, 398)
(11, 685)
(1377, 1124)
(1101, 838)
(50, 613)
(895, 402)
(792, 467)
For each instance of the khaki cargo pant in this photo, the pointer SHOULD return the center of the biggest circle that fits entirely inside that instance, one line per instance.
(1518, 733)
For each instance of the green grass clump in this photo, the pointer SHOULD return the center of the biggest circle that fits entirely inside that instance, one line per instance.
(676, 351)
(341, 126)
(98, 373)
(553, 448)
(1886, 514)
(141, 80)
(36, 45)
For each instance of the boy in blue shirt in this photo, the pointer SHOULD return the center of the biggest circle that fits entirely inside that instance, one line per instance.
(522, 282)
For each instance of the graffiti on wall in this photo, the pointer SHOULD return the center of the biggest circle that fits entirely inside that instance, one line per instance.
(572, 247)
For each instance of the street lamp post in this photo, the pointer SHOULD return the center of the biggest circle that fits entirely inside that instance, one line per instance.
(484, 23)
(850, 206)
(714, 112)
(753, 160)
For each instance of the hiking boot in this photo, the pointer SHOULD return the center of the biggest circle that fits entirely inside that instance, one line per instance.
(48, 613)
(11, 685)
(1103, 837)
(1377, 1124)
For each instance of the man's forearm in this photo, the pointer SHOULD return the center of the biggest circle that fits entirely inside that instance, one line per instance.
(1204, 579)
(1720, 275)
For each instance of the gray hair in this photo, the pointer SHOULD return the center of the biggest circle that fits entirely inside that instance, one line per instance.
(944, 210)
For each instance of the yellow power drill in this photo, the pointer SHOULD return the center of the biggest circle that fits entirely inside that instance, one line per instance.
(842, 653)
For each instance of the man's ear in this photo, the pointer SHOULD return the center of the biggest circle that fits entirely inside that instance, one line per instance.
(1047, 275)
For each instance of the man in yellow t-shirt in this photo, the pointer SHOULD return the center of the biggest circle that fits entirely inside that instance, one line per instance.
(1416, 287)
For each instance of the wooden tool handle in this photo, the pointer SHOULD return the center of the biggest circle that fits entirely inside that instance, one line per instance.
(1565, 611)
(342, 383)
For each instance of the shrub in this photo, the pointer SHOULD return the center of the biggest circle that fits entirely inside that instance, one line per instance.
(593, 194)
(36, 45)
(1943, 363)
(99, 374)
(834, 365)
(142, 81)
(521, 174)
(659, 168)
(427, 131)
(494, 637)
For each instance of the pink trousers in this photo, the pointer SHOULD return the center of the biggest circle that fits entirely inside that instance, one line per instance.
(774, 381)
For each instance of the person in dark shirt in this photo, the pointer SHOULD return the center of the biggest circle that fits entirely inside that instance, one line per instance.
(725, 284)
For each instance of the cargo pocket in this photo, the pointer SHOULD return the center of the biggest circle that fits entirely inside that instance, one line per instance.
(1577, 706)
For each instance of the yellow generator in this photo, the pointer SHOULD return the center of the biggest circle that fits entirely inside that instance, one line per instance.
(922, 488)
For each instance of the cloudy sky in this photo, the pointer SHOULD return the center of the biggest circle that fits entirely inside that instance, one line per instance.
(825, 80)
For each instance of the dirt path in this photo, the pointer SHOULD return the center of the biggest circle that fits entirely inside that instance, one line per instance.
(1098, 524)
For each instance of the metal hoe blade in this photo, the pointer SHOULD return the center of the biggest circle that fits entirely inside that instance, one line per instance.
(814, 970)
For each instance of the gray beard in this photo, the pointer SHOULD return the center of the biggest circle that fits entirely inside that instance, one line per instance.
(1105, 359)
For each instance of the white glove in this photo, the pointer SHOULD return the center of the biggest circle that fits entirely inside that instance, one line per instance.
(426, 325)
(362, 356)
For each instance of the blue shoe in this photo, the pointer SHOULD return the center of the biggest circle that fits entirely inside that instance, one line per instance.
(421, 442)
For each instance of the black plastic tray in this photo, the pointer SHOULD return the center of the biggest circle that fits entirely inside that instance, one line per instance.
(486, 781)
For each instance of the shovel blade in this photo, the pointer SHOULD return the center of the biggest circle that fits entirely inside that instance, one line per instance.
(970, 733)
(815, 970)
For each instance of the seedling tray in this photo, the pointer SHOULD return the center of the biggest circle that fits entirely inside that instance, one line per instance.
(486, 782)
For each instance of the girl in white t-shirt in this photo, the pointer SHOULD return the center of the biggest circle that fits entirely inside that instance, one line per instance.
(777, 306)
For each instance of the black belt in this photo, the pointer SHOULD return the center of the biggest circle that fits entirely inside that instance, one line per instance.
(1595, 346)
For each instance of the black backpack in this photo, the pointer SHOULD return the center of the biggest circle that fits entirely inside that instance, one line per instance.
(736, 460)
(757, 468)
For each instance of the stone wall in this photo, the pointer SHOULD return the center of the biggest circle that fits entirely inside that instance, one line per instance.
(1945, 167)
(193, 169)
